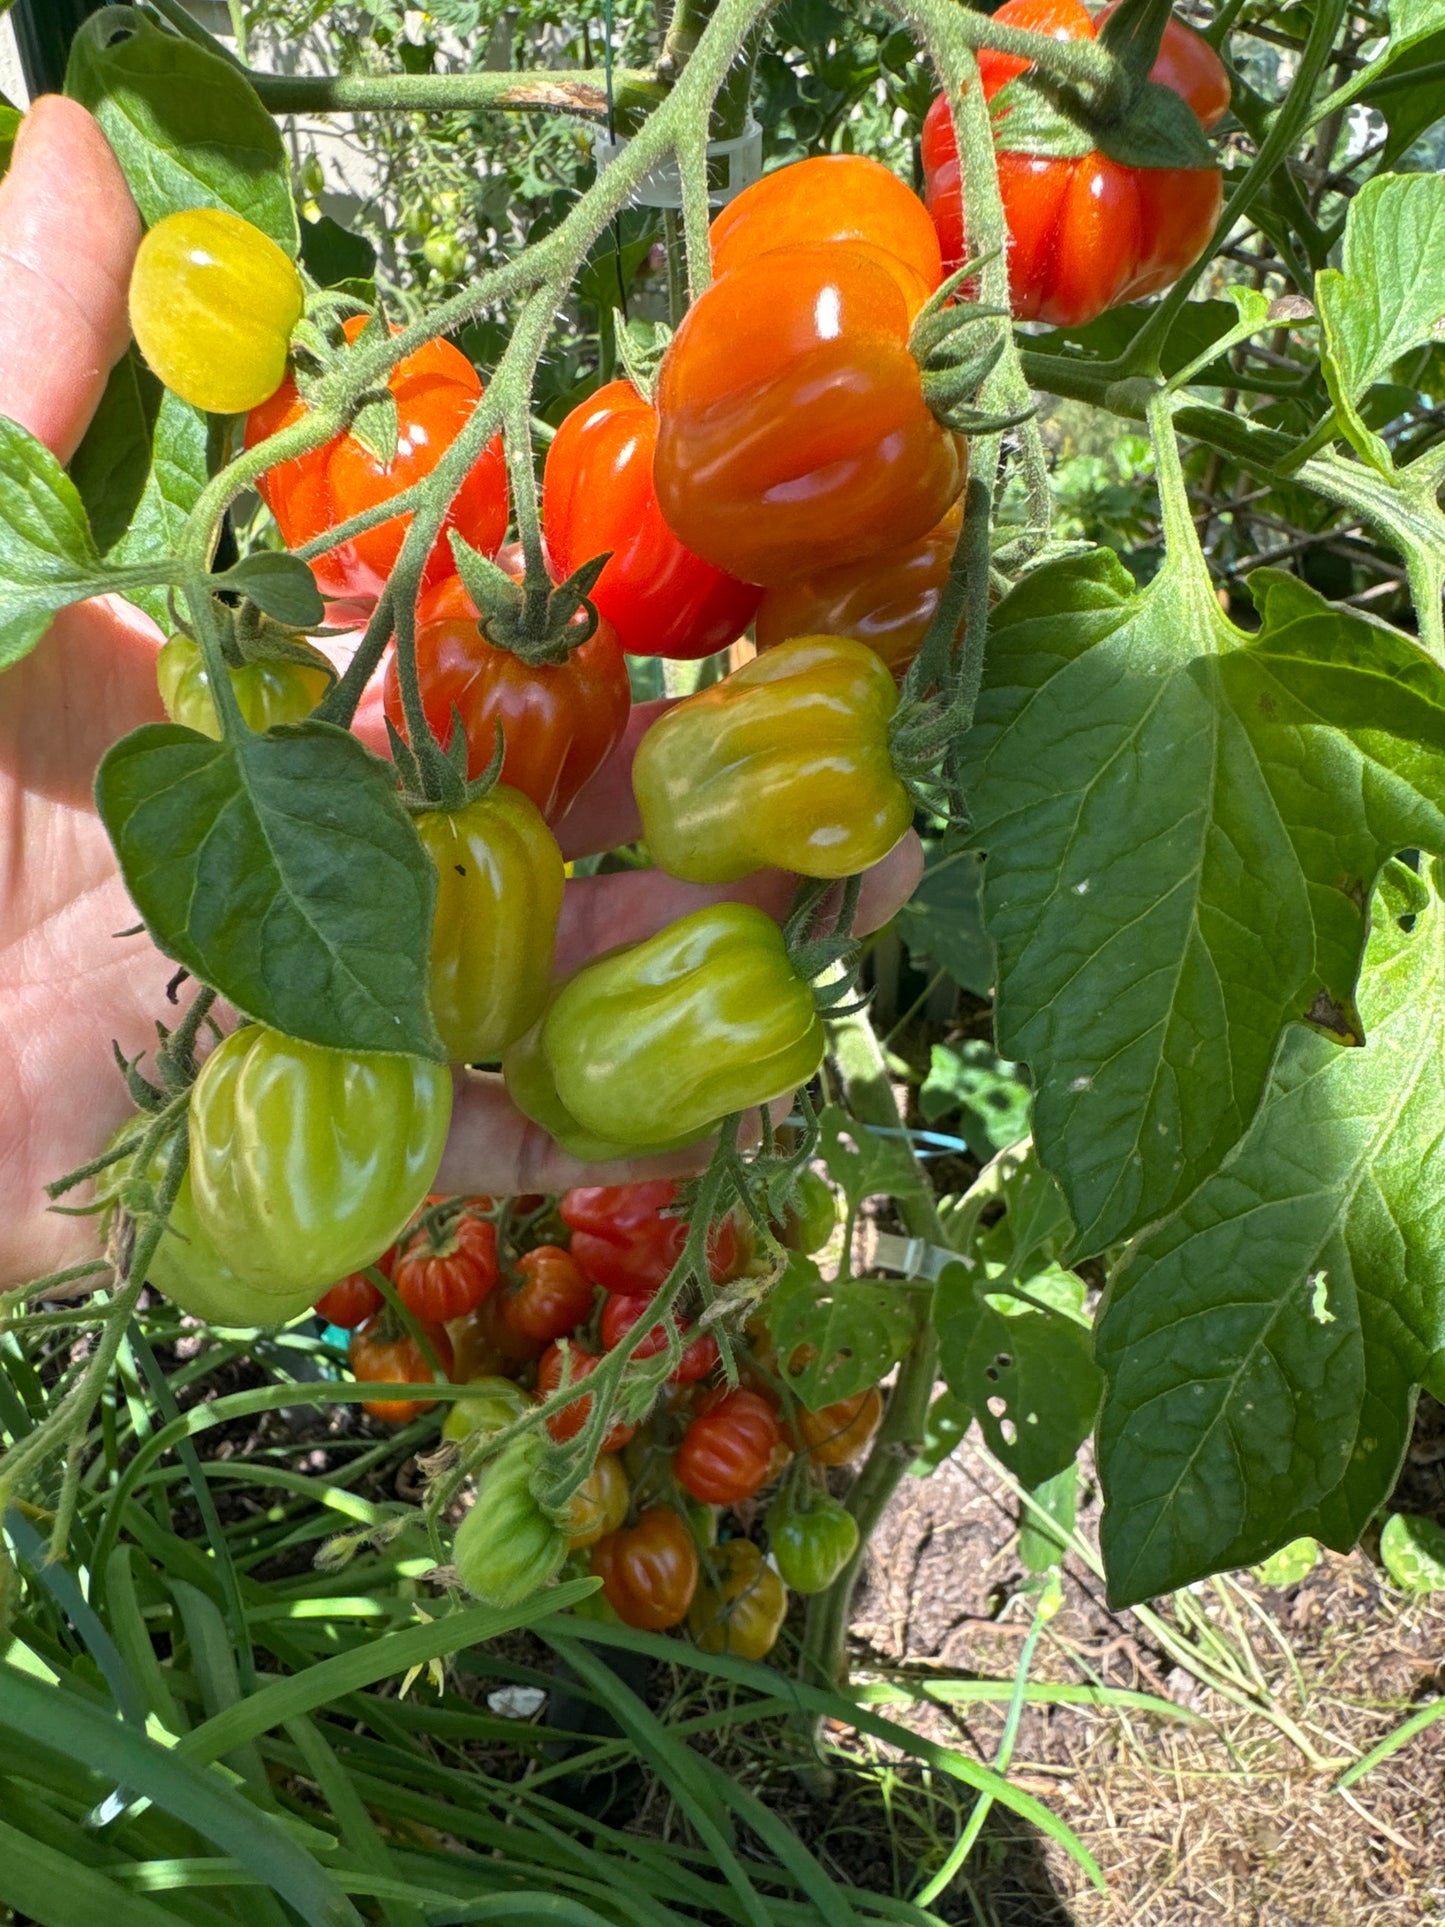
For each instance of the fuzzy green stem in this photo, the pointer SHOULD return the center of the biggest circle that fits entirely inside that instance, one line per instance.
(543, 92)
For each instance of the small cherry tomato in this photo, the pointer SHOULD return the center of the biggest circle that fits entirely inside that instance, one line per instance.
(448, 1273)
(598, 498)
(841, 1432)
(350, 1302)
(649, 1571)
(213, 304)
(565, 1424)
(266, 692)
(740, 1604)
(811, 1216)
(599, 1505)
(382, 1355)
(490, 1406)
(811, 1541)
(624, 1242)
(487, 1345)
(620, 1314)
(551, 1299)
(509, 1544)
(726, 1452)
(560, 722)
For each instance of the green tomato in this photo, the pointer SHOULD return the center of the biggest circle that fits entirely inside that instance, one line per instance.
(445, 252)
(490, 1406)
(266, 692)
(811, 1216)
(187, 1267)
(509, 1545)
(213, 305)
(306, 1162)
(533, 1089)
(811, 1544)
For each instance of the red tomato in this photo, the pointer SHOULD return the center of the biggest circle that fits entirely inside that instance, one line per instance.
(887, 601)
(560, 722)
(567, 1423)
(624, 1243)
(805, 443)
(726, 1452)
(487, 1346)
(353, 1300)
(649, 1571)
(597, 498)
(843, 1431)
(382, 1355)
(1085, 234)
(620, 1314)
(833, 197)
(449, 1274)
(436, 390)
(552, 1298)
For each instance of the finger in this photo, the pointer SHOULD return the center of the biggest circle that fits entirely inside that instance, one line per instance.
(68, 235)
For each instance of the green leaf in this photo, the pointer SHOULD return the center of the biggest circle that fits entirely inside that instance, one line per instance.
(1028, 1376)
(1183, 823)
(186, 125)
(1413, 1550)
(48, 557)
(948, 1420)
(279, 584)
(282, 870)
(1290, 1564)
(1412, 20)
(1041, 1550)
(10, 119)
(943, 919)
(857, 1329)
(1409, 106)
(333, 256)
(1386, 297)
(864, 1162)
(972, 1080)
(1261, 1346)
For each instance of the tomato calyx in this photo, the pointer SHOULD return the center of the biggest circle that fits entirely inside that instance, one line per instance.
(957, 344)
(321, 348)
(640, 348)
(536, 622)
(1032, 115)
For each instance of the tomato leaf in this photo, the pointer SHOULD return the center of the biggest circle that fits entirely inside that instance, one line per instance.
(943, 919)
(863, 1162)
(1261, 1346)
(1183, 824)
(1413, 1549)
(857, 1329)
(971, 1081)
(282, 870)
(1386, 297)
(186, 125)
(1028, 1376)
(48, 556)
(281, 585)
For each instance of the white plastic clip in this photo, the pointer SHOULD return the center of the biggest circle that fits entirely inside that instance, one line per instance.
(731, 166)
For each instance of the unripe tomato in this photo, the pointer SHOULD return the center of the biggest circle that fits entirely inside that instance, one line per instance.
(490, 1406)
(308, 1162)
(833, 197)
(532, 1086)
(811, 1543)
(560, 722)
(499, 893)
(624, 1242)
(446, 252)
(509, 1545)
(350, 1302)
(784, 764)
(266, 692)
(213, 304)
(598, 498)
(599, 1505)
(812, 1213)
(726, 1452)
(550, 1300)
(382, 1355)
(886, 601)
(794, 435)
(620, 1314)
(841, 1432)
(436, 389)
(565, 1424)
(1085, 233)
(448, 1274)
(740, 1605)
(649, 1571)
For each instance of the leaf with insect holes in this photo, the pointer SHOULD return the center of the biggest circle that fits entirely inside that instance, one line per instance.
(1261, 1346)
(847, 1333)
(867, 1163)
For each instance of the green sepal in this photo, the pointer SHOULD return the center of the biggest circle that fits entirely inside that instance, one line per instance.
(640, 348)
(1157, 129)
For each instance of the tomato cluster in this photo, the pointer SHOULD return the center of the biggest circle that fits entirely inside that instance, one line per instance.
(523, 1322)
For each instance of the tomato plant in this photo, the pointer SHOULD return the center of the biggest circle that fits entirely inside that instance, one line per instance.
(649, 1571)
(351, 1301)
(266, 692)
(509, 1543)
(446, 1270)
(574, 1364)
(551, 1297)
(381, 1354)
(740, 1604)
(726, 1454)
(626, 1240)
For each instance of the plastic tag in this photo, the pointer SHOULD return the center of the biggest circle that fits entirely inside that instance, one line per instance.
(731, 166)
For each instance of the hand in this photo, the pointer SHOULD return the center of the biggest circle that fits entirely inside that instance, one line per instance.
(68, 984)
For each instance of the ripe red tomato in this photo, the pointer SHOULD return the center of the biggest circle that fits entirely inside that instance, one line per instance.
(726, 1452)
(1085, 234)
(551, 1299)
(624, 1243)
(568, 1422)
(384, 1356)
(436, 390)
(649, 1571)
(620, 1314)
(560, 722)
(448, 1273)
(598, 498)
(486, 1344)
(843, 1431)
(351, 1301)
(805, 443)
(833, 197)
